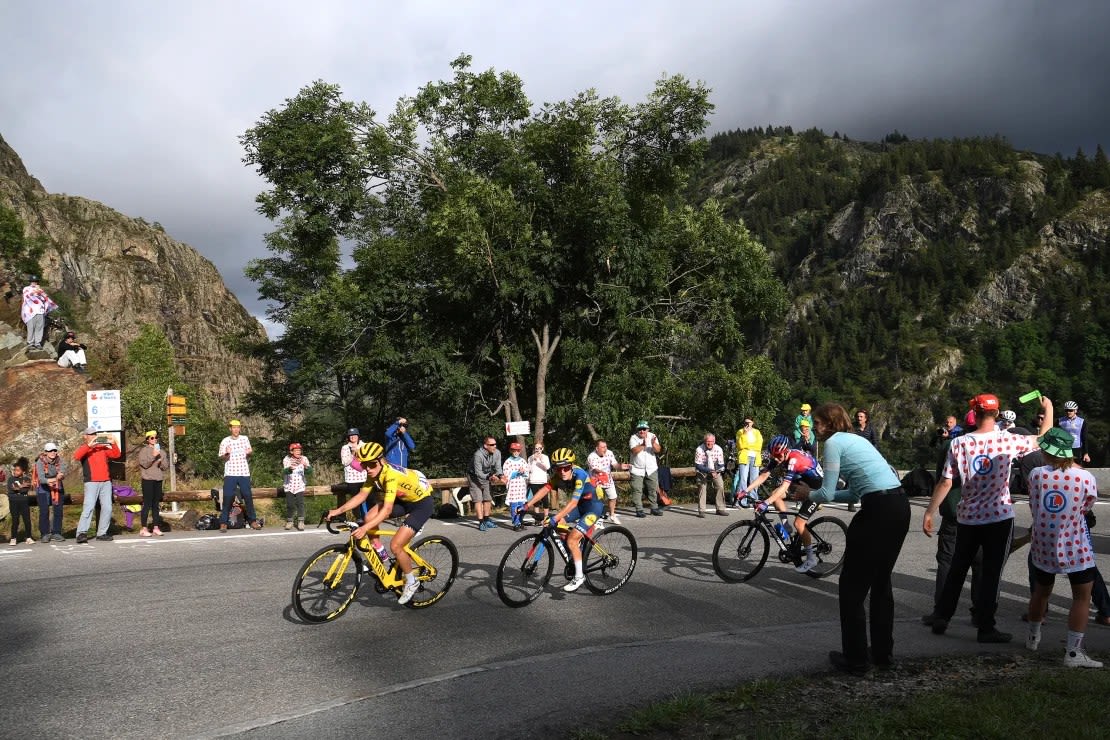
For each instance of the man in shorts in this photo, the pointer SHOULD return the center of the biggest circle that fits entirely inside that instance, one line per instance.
(602, 462)
(485, 469)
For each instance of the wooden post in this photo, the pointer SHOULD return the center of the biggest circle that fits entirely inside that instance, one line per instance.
(173, 458)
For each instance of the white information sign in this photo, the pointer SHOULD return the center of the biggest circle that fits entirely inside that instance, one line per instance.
(103, 410)
(514, 428)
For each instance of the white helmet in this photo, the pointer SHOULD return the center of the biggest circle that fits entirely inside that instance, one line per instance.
(1009, 416)
(1071, 406)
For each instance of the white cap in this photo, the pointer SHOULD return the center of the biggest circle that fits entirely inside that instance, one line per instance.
(50, 447)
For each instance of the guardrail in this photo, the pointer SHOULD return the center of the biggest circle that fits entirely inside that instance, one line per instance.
(443, 485)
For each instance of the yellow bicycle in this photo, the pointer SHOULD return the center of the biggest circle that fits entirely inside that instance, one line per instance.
(329, 580)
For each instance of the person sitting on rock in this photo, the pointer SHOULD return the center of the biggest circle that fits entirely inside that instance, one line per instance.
(71, 353)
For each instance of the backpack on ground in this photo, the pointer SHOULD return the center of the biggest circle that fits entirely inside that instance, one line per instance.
(918, 482)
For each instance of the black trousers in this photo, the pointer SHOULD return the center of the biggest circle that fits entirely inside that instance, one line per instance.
(946, 549)
(875, 539)
(152, 502)
(994, 541)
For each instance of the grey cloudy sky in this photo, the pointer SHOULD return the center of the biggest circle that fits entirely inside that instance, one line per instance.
(140, 104)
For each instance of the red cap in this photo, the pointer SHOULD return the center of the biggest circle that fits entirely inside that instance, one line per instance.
(295, 446)
(984, 402)
(515, 446)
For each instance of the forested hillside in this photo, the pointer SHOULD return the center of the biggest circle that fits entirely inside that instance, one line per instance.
(921, 272)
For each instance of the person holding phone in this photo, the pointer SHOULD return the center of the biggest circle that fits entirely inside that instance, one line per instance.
(153, 465)
(398, 443)
(94, 455)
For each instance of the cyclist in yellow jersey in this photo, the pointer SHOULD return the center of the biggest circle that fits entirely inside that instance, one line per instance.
(395, 491)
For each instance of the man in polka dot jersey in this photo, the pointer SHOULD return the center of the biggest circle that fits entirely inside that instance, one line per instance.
(1060, 494)
(985, 515)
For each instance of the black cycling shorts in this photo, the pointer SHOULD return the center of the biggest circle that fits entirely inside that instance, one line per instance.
(1077, 578)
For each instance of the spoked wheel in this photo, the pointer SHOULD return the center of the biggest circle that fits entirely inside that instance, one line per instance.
(436, 577)
(740, 552)
(610, 560)
(830, 535)
(326, 584)
(524, 571)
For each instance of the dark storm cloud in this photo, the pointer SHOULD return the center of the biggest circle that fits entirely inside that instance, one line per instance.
(140, 104)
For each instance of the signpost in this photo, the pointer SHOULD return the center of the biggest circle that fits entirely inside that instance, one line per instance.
(176, 417)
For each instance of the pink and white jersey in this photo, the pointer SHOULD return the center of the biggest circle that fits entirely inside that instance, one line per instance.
(516, 475)
(982, 460)
(237, 448)
(1058, 499)
(604, 464)
(294, 480)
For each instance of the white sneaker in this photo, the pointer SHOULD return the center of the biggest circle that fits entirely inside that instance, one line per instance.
(808, 565)
(1078, 659)
(408, 592)
(29, 541)
(614, 519)
(13, 543)
(1032, 642)
(577, 582)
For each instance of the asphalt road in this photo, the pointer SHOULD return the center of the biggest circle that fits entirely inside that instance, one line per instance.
(192, 635)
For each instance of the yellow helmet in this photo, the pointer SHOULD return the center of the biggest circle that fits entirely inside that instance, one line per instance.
(563, 456)
(369, 452)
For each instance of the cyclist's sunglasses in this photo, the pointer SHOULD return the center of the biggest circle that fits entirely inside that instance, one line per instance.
(563, 466)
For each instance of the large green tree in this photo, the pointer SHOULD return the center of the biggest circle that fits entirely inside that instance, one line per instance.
(508, 263)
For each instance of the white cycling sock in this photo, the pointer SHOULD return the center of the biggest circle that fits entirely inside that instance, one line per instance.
(578, 569)
(410, 577)
(1075, 640)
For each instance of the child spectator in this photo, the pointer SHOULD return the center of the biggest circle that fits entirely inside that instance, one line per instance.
(296, 467)
(539, 469)
(515, 470)
(19, 501)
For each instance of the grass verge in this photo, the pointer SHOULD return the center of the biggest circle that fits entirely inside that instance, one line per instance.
(1028, 695)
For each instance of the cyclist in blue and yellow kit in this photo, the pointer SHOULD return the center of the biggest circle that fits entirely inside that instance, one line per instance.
(391, 485)
(801, 472)
(583, 509)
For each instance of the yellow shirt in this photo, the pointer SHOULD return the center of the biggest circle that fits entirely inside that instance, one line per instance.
(749, 442)
(399, 483)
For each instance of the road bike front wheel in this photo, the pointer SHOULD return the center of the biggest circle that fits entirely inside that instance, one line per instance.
(740, 552)
(830, 536)
(437, 572)
(326, 584)
(524, 571)
(609, 560)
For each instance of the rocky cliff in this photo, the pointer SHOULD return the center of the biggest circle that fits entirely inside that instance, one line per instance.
(924, 272)
(118, 273)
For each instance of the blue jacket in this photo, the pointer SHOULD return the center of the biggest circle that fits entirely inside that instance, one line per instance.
(398, 445)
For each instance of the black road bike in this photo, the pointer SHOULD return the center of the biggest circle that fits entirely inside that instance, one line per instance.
(741, 550)
(608, 559)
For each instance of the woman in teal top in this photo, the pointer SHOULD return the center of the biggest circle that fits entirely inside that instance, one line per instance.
(874, 541)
